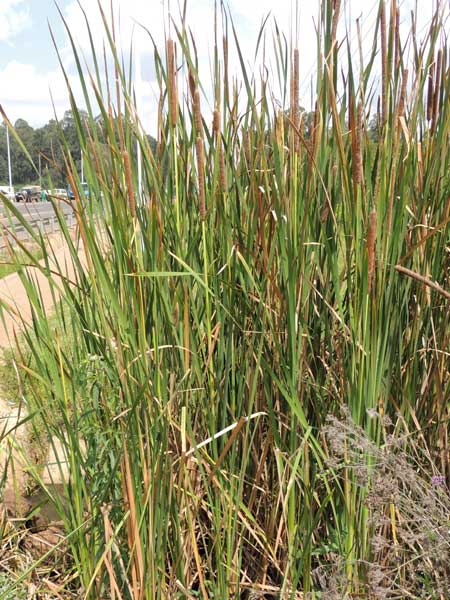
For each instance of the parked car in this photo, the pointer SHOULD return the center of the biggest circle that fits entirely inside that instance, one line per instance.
(60, 193)
(71, 195)
(8, 191)
(31, 193)
(54, 194)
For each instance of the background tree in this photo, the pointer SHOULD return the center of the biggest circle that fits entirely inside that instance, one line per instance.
(44, 146)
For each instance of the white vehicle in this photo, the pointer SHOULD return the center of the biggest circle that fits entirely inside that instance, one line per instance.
(60, 192)
(8, 191)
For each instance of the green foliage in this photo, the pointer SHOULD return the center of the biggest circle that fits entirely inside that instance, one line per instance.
(18, 593)
(255, 281)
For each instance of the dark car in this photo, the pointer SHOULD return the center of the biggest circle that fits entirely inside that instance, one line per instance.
(29, 194)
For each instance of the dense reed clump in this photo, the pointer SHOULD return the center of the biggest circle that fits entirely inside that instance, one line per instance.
(266, 273)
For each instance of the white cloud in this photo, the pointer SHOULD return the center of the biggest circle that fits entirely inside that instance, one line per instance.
(14, 18)
(26, 93)
(34, 86)
(24, 87)
(247, 18)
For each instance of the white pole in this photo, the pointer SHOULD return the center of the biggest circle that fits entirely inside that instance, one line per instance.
(9, 157)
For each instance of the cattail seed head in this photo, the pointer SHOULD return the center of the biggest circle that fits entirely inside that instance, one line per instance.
(192, 84)
(384, 64)
(222, 171)
(336, 11)
(371, 248)
(197, 112)
(296, 98)
(291, 110)
(314, 133)
(129, 182)
(216, 123)
(225, 67)
(397, 40)
(173, 98)
(437, 89)
(401, 104)
(430, 92)
(201, 177)
(324, 213)
(357, 164)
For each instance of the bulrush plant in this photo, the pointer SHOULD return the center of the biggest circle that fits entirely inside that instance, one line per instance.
(272, 267)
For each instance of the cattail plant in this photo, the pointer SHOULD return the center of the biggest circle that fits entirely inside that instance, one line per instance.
(357, 146)
(430, 93)
(218, 138)
(172, 91)
(295, 107)
(277, 269)
(402, 99)
(129, 182)
(335, 21)
(384, 64)
(197, 116)
(201, 177)
(436, 91)
(397, 40)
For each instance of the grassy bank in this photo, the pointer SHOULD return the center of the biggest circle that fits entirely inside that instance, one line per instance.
(12, 262)
(260, 368)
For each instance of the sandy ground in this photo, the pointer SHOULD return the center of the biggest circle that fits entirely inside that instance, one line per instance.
(13, 436)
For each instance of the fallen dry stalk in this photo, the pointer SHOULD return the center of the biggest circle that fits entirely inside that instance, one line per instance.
(418, 277)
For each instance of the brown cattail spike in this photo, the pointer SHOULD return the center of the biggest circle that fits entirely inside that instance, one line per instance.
(371, 248)
(201, 177)
(357, 164)
(401, 104)
(437, 90)
(216, 133)
(225, 68)
(222, 170)
(384, 64)
(292, 94)
(129, 182)
(192, 84)
(315, 132)
(216, 123)
(173, 99)
(397, 40)
(430, 92)
(336, 11)
(197, 112)
(296, 98)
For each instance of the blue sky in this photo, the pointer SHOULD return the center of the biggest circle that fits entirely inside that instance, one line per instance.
(29, 66)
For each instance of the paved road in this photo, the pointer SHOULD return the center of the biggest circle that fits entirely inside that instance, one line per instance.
(40, 215)
(36, 209)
